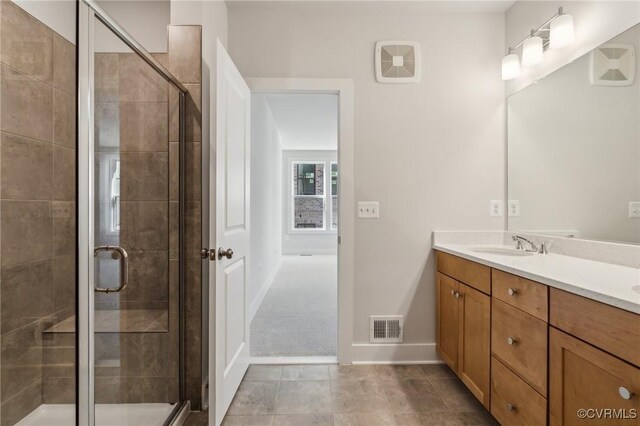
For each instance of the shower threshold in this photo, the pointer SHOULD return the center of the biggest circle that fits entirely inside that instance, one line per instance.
(150, 414)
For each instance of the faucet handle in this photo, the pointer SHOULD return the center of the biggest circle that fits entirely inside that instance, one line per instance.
(545, 246)
(517, 241)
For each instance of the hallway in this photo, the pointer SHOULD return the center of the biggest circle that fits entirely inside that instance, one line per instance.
(298, 316)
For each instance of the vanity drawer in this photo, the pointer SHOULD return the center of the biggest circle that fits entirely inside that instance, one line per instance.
(513, 402)
(530, 296)
(519, 340)
(470, 273)
(612, 329)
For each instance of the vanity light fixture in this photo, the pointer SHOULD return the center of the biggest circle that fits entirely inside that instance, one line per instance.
(556, 33)
(532, 51)
(510, 66)
(561, 31)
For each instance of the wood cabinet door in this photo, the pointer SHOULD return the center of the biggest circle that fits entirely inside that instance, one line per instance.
(474, 358)
(582, 377)
(447, 327)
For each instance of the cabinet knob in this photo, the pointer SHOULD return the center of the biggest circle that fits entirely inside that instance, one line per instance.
(511, 407)
(512, 292)
(457, 295)
(453, 293)
(512, 341)
(625, 393)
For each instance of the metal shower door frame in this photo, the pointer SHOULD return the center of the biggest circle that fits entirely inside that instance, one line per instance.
(87, 12)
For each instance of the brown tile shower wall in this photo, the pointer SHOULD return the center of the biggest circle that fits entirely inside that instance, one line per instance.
(185, 63)
(132, 125)
(142, 102)
(37, 200)
(138, 110)
(140, 362)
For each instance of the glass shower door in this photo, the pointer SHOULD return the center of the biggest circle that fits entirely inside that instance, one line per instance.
(133, 285)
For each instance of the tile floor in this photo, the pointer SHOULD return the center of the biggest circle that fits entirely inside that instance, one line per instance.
(352, 395)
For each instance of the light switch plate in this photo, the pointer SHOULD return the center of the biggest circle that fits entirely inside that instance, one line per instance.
(495, 208)
(634, 208)
(368, 209)
(514, 208)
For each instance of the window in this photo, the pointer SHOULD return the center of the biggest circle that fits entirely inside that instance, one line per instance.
(314, 196)
(114, 197)
(308, 195)
(334, 195)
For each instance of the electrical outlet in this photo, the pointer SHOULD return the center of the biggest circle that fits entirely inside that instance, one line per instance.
(634, 208)
(495, 208)
(514, 207)
(368, 209)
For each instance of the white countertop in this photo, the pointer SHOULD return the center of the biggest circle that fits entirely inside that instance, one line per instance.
(614, 285)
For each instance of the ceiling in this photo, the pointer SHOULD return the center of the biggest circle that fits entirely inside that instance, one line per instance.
(305, 121)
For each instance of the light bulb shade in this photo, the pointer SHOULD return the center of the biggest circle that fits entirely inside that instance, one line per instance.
(510, 66)
(532, 51)
(561, 32)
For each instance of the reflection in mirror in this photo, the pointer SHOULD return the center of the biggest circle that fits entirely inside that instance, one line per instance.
(574, 147)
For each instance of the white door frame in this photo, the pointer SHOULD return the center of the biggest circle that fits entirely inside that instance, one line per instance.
(344, 89)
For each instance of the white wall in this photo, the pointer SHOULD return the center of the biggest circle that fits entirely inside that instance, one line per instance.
(431, 153)
(266, 196)
(59, 15)
(574, 153)
(304, 242)
(145, 20)
(595, 22)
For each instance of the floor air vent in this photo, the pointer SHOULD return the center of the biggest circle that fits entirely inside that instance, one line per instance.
(385, 329)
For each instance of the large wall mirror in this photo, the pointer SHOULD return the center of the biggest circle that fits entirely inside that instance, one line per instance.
(574, 147)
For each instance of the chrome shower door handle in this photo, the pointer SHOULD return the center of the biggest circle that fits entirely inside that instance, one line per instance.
(124, 268)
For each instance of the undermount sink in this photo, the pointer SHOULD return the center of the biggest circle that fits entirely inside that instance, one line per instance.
(503, 251)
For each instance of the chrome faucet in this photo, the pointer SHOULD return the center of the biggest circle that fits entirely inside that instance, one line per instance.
(520, 241)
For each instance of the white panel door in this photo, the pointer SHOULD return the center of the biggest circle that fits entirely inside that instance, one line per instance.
(231, 157)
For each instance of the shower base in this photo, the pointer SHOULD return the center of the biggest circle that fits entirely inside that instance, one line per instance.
(106, 415)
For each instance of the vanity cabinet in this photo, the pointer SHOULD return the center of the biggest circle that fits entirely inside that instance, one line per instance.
(594, 360)
(519, 341)
(464, 322)
(585, 377)
(448, 320)
(474, 354)
(535, 355)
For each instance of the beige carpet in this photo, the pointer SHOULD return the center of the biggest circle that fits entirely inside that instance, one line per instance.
(298, 316)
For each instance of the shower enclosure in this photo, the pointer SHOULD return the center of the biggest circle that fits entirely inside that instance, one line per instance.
(92, 225)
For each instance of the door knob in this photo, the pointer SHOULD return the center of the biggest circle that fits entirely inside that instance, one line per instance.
(228, 253)
(625, 393)
(205, 253)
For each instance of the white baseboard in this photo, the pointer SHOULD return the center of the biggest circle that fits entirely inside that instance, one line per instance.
(394, 353)
(293, 360)
(257, 301)
(316, 252)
